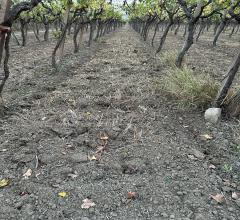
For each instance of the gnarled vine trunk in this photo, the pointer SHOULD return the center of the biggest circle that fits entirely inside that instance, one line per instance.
(188, 43)
(46, 32)
(165, 33)
(219, 31)
(227, 82)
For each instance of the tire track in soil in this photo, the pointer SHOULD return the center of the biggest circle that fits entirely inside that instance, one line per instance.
(112, 94)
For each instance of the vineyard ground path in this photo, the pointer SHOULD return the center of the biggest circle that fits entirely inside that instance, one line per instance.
(61, 124)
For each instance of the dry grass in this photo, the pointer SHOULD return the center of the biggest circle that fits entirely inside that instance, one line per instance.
(189, 89)
(169, 58)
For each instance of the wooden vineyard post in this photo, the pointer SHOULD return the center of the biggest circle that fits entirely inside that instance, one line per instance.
(4, 9)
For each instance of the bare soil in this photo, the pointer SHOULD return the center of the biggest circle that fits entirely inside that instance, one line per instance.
(105, 99)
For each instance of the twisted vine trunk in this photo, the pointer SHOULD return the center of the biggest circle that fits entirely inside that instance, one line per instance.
(35, 33)
(177, 29)
(227, 82)
(201, 29)
(59, 43)
(163, 38)
(5, 62)
(23, 33)
(232, 32)
(188, 43)
(218, 32)
(77, 28)
(155, 32)
(46, 32)
(92, 28)
(15, 37)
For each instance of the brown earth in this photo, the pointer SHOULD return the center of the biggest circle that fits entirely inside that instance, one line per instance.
(105, 99)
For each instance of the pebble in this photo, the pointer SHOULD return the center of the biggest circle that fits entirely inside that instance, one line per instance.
(91, 210)
(114, 214)
(213, 115)
(180, 193)
(214, 212)
(179, 167)
(66, 170)
(164, 214)
(198, 154)
(79, 158)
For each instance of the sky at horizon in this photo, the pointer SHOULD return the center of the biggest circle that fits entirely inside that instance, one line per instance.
(121, 1)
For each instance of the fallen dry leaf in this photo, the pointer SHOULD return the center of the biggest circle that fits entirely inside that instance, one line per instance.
(219, 198)
(211, 166)
(4, 182)
(131, 195)
(72, 175)
(92, 158)
(87, 203)
(62, 194)
(206, 137)
(27, 174)
(104, 138)
(100, 149)
(23, 193)
(235, 195)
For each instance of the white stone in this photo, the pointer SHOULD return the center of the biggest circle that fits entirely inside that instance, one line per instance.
(213, 115)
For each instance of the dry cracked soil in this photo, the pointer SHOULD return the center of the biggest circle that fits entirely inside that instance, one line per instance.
(100, 128)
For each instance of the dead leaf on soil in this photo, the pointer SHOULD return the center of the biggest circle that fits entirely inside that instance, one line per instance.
(206, 137)
(100, 149)
(87, 203)
(4, 182)
(211, 166)
(72, 175)
(27, 174)
(104, 138)
(92, 158)
(62, 194)
(219, 198)
(131, 195)
(23, 193)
